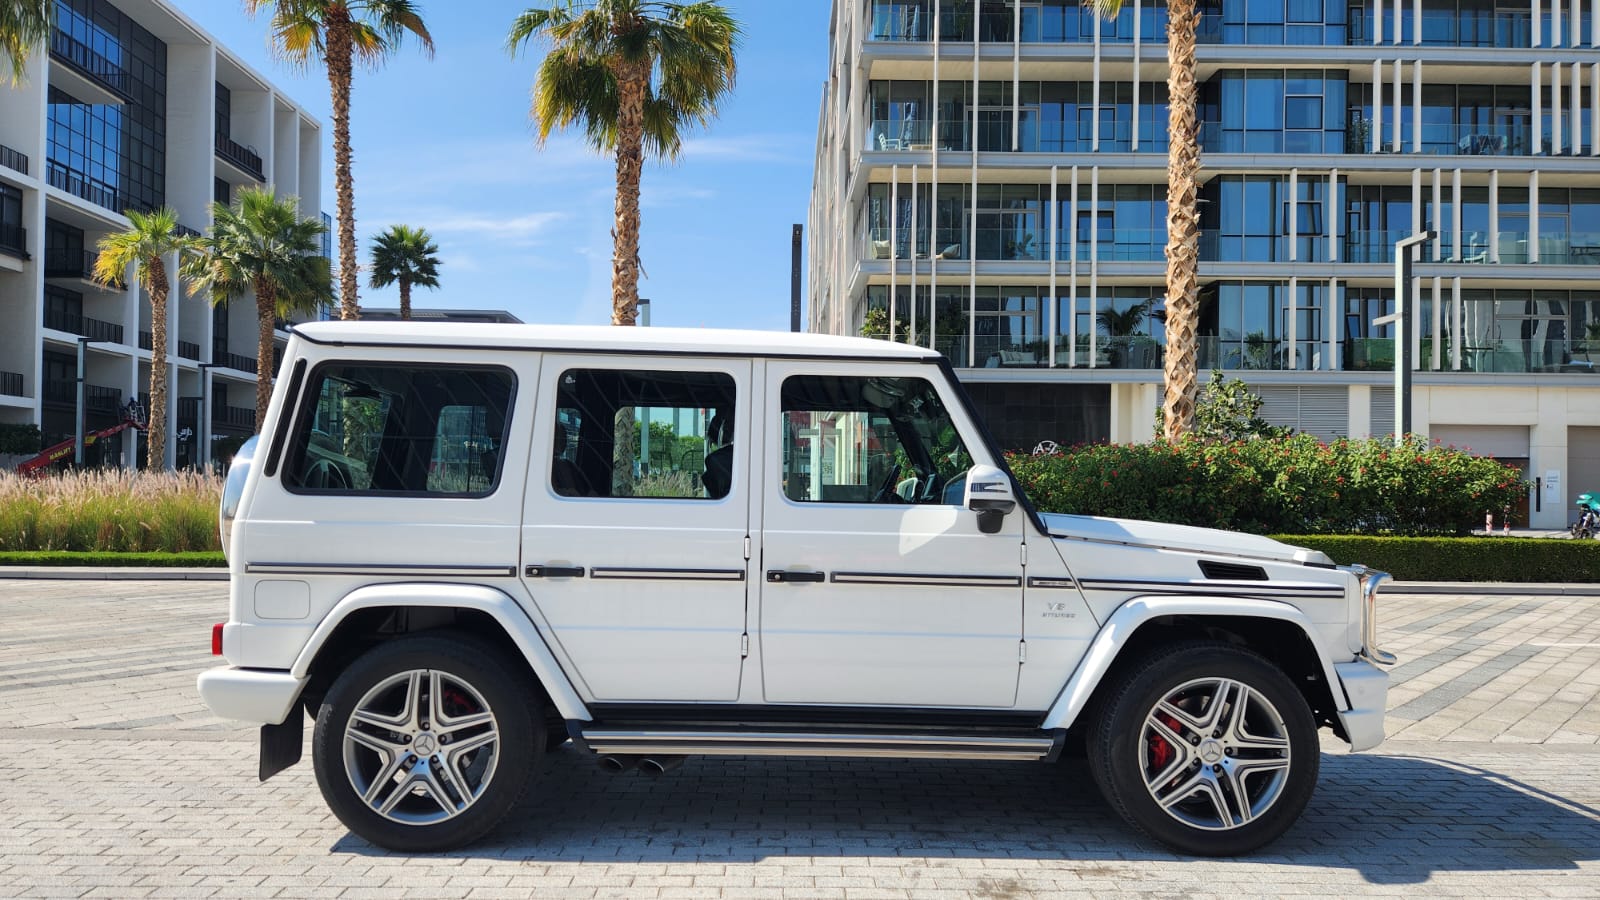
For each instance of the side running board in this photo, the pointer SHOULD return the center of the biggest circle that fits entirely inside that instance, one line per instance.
(635, 742)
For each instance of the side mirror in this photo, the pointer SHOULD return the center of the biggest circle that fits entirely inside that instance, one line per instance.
(989, 495)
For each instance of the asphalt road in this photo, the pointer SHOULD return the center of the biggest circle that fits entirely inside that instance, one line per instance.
(115, 781)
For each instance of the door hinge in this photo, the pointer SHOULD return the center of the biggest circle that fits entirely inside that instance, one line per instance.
(1022, 651)
(1024, 555)
(744, 645)
(747, 546)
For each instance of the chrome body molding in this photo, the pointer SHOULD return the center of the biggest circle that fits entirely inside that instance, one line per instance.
(1210, 587)
(632, 574)
(1370, 580)
(380, 570)
(1058, 584)
(772, 743)
(907, 578)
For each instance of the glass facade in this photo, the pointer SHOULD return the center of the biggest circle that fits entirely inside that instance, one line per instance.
(113, 155)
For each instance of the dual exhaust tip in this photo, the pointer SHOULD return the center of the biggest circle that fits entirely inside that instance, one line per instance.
(648, 765)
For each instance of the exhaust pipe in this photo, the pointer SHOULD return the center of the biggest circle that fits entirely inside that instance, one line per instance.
(617, 765)
(659, 765)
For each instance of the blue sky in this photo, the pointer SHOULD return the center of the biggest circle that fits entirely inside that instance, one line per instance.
(446, 144)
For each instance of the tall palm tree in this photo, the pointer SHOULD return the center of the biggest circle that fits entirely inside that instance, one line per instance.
(24, 27)
(148, 240)
(405, 256)
(261, 244)
(340, 33)
(1183, 213)
(634, 74)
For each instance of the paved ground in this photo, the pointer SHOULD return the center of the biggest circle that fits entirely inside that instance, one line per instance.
(115, 782)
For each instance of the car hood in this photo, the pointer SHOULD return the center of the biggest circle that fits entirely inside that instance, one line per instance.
(1180, 537)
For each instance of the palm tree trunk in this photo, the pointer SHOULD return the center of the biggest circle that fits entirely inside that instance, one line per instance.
(156, 425)
(405, 300)
(339, 77)
(266, 308)
(1183, 221)
(631, 86)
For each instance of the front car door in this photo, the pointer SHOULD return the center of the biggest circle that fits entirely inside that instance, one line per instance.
(637, 514)
(878, 586)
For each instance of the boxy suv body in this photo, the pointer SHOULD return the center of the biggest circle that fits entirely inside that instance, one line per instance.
(458, 546)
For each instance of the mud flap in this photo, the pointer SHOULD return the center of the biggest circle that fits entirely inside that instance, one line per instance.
(281, 744)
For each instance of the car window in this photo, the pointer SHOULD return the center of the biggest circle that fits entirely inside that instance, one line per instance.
(410, 430)
(643, 435)
(859, 439)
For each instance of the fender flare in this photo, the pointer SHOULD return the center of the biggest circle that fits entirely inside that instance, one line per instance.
(1133, 614)
(493, 603)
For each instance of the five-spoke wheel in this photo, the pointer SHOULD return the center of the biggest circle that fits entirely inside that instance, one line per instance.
(1206, 747)
(426, 742)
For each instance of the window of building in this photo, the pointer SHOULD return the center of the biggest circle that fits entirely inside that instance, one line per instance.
(870, 440)
(11, 237)
(644, 435)
(402, 430)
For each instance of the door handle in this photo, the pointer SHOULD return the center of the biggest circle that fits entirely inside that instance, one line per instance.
(779, 576)
(553, 571)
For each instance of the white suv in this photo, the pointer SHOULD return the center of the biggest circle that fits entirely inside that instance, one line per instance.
(458, 546)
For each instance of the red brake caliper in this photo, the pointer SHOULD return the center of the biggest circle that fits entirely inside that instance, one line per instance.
(1161, 750)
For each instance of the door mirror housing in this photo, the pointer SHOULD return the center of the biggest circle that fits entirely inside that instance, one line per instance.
(989, 494)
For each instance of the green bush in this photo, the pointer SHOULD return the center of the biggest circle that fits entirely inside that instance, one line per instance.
(1294, 484)
(110, 510)
(63, 558)
(1462, 559)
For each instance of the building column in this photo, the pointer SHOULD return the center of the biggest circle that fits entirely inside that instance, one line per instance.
(1052, 324)
(1360, 426)
(1547, 453)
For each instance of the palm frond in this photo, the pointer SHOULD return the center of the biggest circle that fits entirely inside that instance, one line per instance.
(24, 27)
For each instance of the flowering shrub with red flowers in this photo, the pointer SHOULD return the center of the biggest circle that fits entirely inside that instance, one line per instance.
(1284, 485)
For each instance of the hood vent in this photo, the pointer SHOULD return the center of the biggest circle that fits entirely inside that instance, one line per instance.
(1226, 571)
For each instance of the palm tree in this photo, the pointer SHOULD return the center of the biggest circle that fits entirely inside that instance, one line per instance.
(261, 244)
(24, 26)
(1183, 213)
(149, 239)
(634, 74)
(339, 33)
(405, 256)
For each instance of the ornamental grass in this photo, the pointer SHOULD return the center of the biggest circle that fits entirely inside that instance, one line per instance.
(110, 510)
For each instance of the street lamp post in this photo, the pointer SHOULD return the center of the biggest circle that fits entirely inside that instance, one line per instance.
(1399, 318)
(77, 432)
(203, 445)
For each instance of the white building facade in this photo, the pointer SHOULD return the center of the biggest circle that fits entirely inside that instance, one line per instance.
(991, 182)
(132, 106)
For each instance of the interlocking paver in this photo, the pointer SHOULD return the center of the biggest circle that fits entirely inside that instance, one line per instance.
(119, 783)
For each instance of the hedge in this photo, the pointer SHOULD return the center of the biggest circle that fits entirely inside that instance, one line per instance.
(154, 559)
(1507, 559)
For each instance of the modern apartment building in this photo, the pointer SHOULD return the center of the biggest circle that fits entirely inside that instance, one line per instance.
(994, 173)
(132, 107)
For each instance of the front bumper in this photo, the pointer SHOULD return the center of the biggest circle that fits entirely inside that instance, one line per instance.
(1367, 688)
(250, 695)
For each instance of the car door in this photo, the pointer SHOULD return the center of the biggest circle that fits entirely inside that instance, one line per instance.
(878, 586)
(637, 514)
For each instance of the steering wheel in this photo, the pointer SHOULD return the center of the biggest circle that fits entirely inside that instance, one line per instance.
(886, 491)
(324, 474)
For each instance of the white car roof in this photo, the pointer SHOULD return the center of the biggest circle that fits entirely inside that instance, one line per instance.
(607, 338)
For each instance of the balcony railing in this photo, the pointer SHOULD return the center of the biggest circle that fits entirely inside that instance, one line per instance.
(96, 398)
(185, 231)
(189, 350)
(1475, 28)
(13, 159)
(240, 155)
(83, 58)
(83, 326)
(61, 263)
(1034, 135)
(14, 240)
(82, 186)
(232, 416)
(234, 361)
(11, 384)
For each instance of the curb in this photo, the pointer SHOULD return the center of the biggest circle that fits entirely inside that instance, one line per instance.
(1531, 589)
(122, 573)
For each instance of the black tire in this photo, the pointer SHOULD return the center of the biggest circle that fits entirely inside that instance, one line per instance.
(1211, 780)
(480, 784)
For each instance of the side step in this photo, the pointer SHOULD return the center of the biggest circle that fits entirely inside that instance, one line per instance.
(637, 742)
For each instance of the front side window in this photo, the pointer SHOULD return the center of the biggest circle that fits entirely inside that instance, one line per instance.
(636, 434)
(870, 440)
(404, 430)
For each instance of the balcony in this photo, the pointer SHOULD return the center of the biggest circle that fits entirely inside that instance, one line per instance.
(226, 416)
(83, 326)
(79, 264)
(1447, 138)
(96, 399)
(93, 71)
(240, 157)
(14, 240)
(189, 350)
(13, 159)
(1464, 28)
(233, 361)
(83, 187)
(11, 384)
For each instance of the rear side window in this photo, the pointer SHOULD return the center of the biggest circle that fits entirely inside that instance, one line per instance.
(401, 430)
(639, 434)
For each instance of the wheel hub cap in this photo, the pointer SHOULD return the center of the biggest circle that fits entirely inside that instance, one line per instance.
(425, 744)
(1210, 752)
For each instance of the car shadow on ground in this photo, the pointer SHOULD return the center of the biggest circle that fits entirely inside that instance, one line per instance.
(1394, 819)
